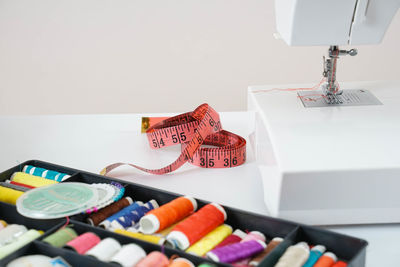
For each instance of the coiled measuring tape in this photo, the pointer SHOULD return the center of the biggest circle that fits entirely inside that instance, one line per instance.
(192, 130)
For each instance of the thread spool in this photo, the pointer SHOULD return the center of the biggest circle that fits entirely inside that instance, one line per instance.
(3, 224)
(315, 254)
(271, 245)
(104, 213)
(254, 235)
(168, 214)
(235, 237)
(107, 222)
(154, 259)
(197, 225)
(14, 186)
(48, 174)
(209, 241)
(31, 180)
(21, 184)
(340, 264)
(61, 237)
(24, 239)
(105, 250)
(10, 233)
(129, 255)
(9, 195)
(83, 243)
(31, 261)
(235, 252)
(130, 217)
(207, 265)
(326, 260)
(155, 239)
(294, 256)
(181, 262)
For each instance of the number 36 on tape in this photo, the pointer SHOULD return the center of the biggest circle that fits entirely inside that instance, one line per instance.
(192, 130)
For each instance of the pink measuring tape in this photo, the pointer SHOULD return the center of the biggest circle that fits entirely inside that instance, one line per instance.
(192, 130)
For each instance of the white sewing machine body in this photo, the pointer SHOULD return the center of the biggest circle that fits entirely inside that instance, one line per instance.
(329, 165)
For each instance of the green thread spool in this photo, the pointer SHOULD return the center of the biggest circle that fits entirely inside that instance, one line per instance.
(61, 237)
(207, 265)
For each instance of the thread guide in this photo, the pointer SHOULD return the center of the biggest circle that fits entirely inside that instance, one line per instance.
(347, 248)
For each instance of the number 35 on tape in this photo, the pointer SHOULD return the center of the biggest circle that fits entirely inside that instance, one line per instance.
(221, 149)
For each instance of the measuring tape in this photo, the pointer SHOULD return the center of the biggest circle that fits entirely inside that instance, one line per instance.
(193, 129)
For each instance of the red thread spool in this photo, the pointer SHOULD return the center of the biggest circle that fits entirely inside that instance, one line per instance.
(235, 237)
(154, 259)
(327, 260)
(168, 214)
(197, 225)
(340, 264)
(24, 185)
(84, 242)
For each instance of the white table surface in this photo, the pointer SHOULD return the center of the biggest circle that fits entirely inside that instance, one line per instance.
(90, 142)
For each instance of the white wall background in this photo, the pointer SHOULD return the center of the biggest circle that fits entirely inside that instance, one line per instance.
(113, 56)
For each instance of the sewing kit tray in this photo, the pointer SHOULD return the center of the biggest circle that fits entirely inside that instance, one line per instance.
(350, 249)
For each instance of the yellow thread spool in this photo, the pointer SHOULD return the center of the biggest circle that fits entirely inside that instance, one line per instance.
(209, 241)
(9, 195)
(149, 238)
(28, 179)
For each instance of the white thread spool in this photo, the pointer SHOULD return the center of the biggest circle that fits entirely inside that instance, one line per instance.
(31, 261)
(129, 255)
(104, 250)
(10, 233)
(294, 256)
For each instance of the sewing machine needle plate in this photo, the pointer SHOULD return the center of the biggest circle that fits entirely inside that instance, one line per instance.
(349, 97)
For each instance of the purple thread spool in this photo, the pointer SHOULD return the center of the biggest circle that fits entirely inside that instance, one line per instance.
(237, 251)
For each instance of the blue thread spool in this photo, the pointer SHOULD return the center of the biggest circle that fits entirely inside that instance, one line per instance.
(130, 217)
(315, 253)
(48, 174)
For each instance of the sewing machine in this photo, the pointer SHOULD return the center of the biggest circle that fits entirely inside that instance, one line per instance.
(331, 155)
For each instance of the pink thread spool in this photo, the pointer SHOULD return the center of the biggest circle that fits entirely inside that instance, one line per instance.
(254, 235)
(154, 259)
(84, 242)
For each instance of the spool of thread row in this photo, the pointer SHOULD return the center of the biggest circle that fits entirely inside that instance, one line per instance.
(294, 256)
(24, 239)
(154, 259)
(181, 262)
(155, 239)
(48, 174)
(9, 195)
(238, 251)
(31, 180)
(315, 253)
(168, 214)
(105, 250)
(197, 226)
(326, 260)
(104, 213)
(271, 245)
(209, 241)
(3, 224)
(83, 243)
(129, 255)
(61, 237)
(235, 237)
(129, 217)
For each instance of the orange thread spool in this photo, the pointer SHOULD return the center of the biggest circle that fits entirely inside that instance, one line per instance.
(197, 226)
(181, 262)
(154, 259)
(167, 214)
(327, 260)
